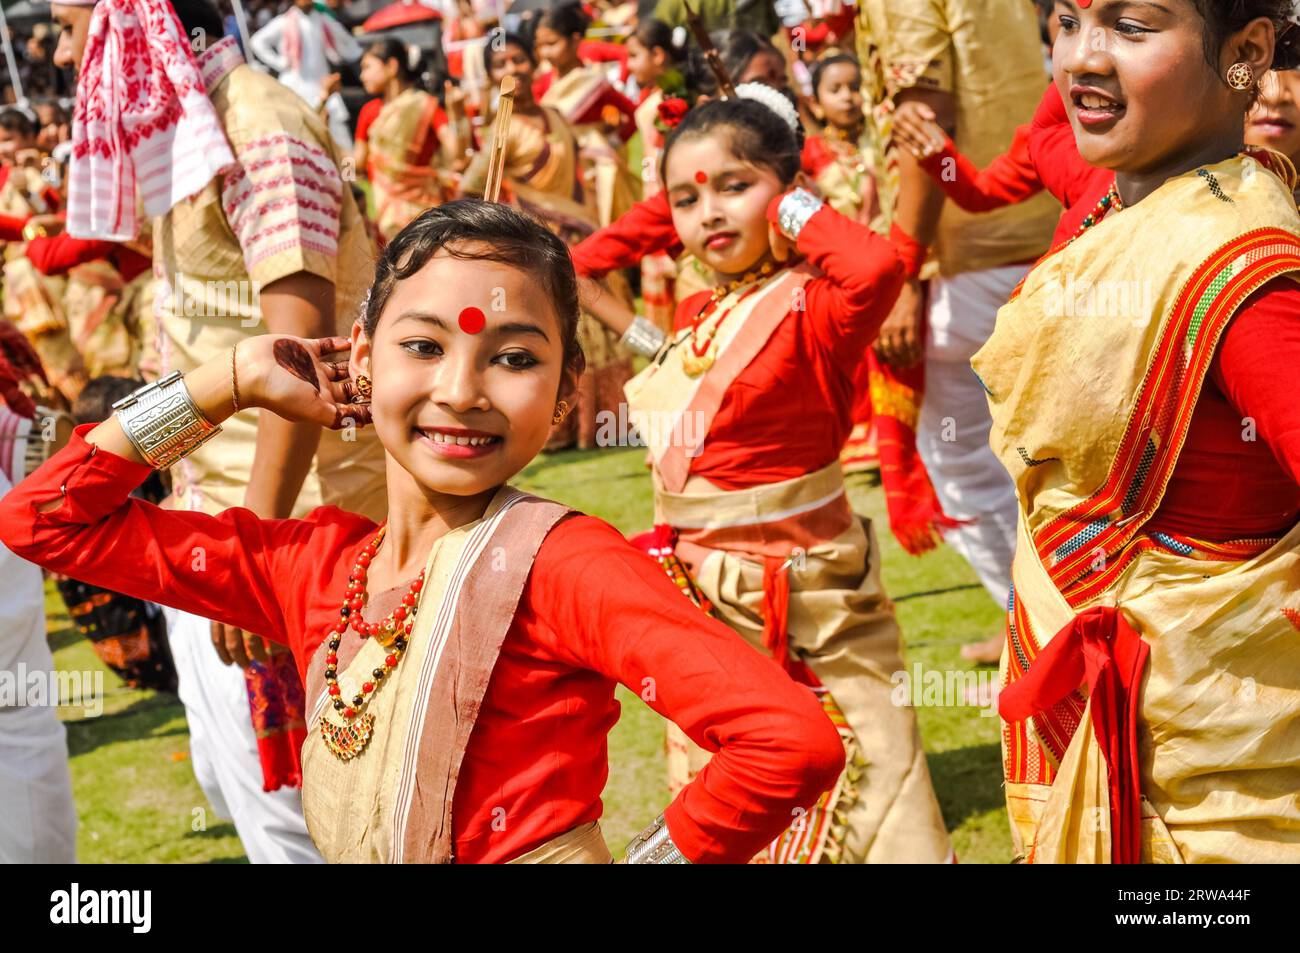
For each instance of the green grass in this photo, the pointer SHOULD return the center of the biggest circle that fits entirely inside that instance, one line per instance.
(138, 801)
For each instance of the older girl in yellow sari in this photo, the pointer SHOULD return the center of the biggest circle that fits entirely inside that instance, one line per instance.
(1152, 664)
(543, 176)
(398, 138)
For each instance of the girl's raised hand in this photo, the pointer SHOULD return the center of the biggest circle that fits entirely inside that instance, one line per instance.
(300, 379)
(916, 130)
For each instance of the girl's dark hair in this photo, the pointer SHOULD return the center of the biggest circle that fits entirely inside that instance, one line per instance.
(566, 20)
(503, 234)
(200, 15)
(499, 39)
(738, 47)
(1225, 17)
(14, 119)
(390, 48)
(656, 34)
(758, 135)
(826, 62)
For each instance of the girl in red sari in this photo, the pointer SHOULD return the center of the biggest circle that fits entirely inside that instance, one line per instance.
(744, 412)
(460, 663)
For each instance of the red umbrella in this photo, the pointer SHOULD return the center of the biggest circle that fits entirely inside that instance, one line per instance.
(399, 14)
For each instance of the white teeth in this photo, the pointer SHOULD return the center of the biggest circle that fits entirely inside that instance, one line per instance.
(439, 437)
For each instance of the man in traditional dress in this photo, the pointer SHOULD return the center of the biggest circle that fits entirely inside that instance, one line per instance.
(255, 227)
(978, 64)
(303, 45)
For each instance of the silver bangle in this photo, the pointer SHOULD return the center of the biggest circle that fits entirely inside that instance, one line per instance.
(162, 421)
(654, 846)
(643, 337)
(795, 210)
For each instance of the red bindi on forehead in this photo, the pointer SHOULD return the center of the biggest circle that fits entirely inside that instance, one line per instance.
(1085, 4)
(701, 178)
(471, 320)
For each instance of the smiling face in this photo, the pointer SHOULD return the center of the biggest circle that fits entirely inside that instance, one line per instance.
(839, 94)
(1275, 120)
(460, 412)
(719, 202)
(512, 60)
(1136, 84)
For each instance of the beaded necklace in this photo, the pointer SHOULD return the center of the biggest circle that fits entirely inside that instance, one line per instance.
(701, 355)
(348, 740)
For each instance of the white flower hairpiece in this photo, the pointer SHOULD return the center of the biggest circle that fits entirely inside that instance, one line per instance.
(773, 100)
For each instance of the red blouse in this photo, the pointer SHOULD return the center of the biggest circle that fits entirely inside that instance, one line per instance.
(1238, 476)
(790, 411)
(644, 229)
(539, 748)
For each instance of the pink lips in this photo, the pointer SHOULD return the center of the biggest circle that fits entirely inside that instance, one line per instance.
(450, 447)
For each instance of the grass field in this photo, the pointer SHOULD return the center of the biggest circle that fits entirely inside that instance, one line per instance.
(138, 801)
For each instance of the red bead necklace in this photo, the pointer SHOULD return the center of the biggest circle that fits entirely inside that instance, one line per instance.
(350, 739)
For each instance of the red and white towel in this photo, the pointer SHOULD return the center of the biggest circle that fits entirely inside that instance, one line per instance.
(142, 120)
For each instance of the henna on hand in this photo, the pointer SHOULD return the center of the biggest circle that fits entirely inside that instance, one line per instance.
(297, 360)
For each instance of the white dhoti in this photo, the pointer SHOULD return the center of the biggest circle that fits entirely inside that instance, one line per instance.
(223, 748)
(953, 430)
(38, 823)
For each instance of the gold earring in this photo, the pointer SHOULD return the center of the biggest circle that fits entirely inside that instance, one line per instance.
(561, 410)
(1241, 76)
(364, 389)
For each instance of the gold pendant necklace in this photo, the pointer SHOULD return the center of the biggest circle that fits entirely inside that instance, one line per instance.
(346, 741)
(697, 359)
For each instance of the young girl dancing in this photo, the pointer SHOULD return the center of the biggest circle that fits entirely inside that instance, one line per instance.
(460, 660)
(745, 412)
(1139, 382)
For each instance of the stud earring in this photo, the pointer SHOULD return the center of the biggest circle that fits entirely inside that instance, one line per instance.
(364, 389)
(561, 410)
(1241, 76)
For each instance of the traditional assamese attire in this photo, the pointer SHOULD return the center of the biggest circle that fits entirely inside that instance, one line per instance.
(246, 186)
(754, 522)
(588, 103)
(542, 175)
(402, 138)
(33, 301)
(489, 739)
(108, 302)
(1152, 667)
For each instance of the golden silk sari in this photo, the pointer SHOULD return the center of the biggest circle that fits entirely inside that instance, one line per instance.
(33, 301)
(397, 137)
(848, 181)
(392, 802)
(1152, 680)
(604, 164)
(796, 573)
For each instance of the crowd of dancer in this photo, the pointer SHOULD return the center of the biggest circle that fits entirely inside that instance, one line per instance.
(267, 370)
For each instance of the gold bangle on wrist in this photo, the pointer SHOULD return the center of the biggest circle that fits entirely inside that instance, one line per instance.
(33, 230)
